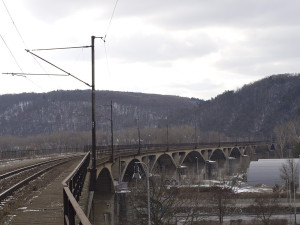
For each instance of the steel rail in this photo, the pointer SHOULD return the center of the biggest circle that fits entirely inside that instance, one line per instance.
(15, 187)
(11, 173)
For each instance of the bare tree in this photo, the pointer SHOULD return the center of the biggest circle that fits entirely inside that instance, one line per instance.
(281, 134)
(289, 172)
(166, 204)
(287, 135)
(265, 207)
(223, 200)
(294, 127)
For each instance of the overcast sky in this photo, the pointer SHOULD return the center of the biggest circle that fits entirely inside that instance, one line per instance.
(191, 48)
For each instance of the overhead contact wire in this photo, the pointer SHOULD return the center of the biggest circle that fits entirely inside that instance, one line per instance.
(58, 68)
(19, 33)
(48, 49)
(104, 38)
(108, 68)
(11, 53)
(112, 15)
(13, 22)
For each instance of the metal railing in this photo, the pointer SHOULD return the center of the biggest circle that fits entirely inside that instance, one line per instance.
(72, 188)
(102, 151)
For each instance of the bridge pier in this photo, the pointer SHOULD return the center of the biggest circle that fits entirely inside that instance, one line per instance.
(104, 209)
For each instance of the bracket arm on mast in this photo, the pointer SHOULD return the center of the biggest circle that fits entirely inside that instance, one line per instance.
(58, 67)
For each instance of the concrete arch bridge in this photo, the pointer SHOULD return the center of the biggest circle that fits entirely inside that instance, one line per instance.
(175, 164)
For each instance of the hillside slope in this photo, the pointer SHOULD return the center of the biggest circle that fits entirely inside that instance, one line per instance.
(254, 110)
(31, 113)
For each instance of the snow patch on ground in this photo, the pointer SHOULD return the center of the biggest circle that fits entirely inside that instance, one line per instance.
(253, 189)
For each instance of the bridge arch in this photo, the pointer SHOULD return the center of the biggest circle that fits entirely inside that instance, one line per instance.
(164, 164)
(235, 152)
(249, 151)
(217, 154)
(192, 158)
(129, 170)
(194, 167)
(104, 182)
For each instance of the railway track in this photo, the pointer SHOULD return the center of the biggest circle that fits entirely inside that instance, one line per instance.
(16, 179)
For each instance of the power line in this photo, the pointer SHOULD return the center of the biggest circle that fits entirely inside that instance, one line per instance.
(58, 67)
(13, 22)
(112, 15)
(19, 33)
(24, 75)
(47, 49)
(108, 69)
(104, 38)
(37, 74)
(18, 74)
(34, 83)
(11, 53)
(61, 48)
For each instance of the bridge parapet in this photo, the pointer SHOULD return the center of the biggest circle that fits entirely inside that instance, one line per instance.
(72, 187)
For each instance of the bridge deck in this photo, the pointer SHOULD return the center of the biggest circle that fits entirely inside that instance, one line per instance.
(47, 207)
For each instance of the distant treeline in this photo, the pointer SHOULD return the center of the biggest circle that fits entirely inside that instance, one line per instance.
(268, 109)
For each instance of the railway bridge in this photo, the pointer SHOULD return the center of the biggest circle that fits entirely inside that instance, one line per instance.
(177, 164)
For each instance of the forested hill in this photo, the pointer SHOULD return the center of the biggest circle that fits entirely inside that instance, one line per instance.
(255, 109)
(31, 113)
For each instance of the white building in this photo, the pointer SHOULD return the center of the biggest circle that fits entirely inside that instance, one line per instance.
(267, 171)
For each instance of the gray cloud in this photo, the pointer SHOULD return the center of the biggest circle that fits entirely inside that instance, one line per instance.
(51, 11)
(194, 13)
(266, 51)
(269, 32)
(203, 85)
(272, 15)
(206, 87)
(156, 47)
(181, 14)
